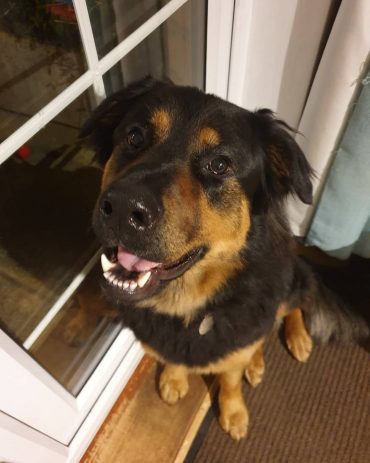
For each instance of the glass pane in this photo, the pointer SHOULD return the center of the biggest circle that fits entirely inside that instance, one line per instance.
(114, 20)
(76, 340)
(47, 194)
(41, 54)
(176, 50)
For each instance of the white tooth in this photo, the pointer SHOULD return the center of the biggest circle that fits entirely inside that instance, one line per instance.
(133, 285)
(106, 264)
(111, 278)
(120, 284)
(143, 278)
(126, 284)
(107, 275)
(116, 282)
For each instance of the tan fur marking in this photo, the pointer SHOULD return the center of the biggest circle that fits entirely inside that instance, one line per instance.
(162, 122)
(109, 173)
(282, 311)
(185, 295)
(180, 205)
(233, 412)
(208, 137)
(298, 340)
(235, 360)
(256, 368)
(173, 383)
(205, 138)
(224, 231)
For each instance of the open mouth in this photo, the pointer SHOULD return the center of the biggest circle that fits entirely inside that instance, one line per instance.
(138, 278)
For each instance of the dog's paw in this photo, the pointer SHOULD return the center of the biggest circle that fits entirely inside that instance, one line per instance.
(235, 423)
(172, 389)
(75, 333)
(254, 372)
(298, 341)
(300, 345)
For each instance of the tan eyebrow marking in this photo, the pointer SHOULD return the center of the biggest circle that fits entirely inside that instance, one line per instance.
(208, 136)
(205, 138)
(162, 122)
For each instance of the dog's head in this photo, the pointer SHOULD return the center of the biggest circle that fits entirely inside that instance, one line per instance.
(184, 172)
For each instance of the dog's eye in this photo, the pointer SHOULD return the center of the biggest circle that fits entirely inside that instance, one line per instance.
(135, 137)
(219, 166)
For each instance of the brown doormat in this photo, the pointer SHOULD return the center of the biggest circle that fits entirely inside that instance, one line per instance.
(317, 412)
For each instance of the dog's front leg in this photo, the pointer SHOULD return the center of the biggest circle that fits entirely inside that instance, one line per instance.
(256, 367)
(233, 412)
(173, 383)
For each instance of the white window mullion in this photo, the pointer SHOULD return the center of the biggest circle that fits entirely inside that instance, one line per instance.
(59, 303)
(45, 115)
(89, 45)
(139, 35)
(92, 76)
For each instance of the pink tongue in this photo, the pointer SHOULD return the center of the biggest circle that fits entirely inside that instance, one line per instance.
(133, 263)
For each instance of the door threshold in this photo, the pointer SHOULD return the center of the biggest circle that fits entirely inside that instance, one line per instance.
(142, 428)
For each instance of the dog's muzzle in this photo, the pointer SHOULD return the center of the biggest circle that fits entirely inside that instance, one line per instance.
(133, 209)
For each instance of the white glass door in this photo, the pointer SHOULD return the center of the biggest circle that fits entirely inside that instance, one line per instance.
(64, 356)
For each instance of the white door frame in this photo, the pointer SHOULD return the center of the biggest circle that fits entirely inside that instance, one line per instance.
(23, 444)
(274, 52)
(30, 432)
(219, 35)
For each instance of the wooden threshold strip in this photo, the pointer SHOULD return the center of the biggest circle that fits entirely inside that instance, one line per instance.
(142, 428)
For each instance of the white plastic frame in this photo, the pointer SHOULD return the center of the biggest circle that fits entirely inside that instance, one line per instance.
(219, 33)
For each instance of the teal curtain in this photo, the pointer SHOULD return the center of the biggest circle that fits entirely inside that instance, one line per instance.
(341, 224)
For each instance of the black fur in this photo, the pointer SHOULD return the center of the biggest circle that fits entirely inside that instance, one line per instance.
(340, 303)
(244, 310)
(102, 123)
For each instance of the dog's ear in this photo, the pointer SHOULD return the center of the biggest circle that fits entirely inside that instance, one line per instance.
(100, 126)
(286, 167)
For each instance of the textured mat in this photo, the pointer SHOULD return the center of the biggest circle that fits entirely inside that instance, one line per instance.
(313, 413)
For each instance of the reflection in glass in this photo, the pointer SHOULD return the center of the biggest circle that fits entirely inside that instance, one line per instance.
(175, 50)
(47, 194)
(114, 20)
(76, 340)
(41, 54)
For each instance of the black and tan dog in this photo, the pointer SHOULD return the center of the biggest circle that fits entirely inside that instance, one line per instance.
(198, 254)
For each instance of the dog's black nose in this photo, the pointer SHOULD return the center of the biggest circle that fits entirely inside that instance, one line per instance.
(136, 208)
